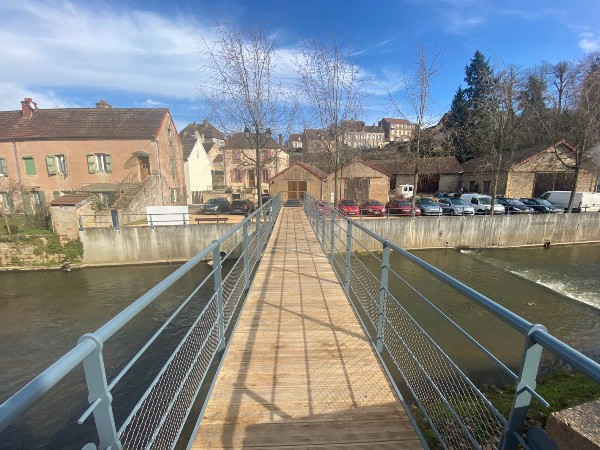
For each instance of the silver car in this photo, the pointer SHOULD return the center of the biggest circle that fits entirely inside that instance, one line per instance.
(429, 207)
(456, 207)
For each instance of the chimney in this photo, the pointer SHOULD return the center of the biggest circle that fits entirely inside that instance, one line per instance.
(205, 122)
(27, 108)
(103, 105)
(280, 140)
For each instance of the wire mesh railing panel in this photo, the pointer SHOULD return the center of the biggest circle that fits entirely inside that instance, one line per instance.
(457, 412)
(234, 286)
(156, 421)
(364, 286)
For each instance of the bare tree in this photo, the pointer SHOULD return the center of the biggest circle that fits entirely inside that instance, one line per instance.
(243, 86)
(418, 89)
(10, 189)
(575, 115)
(334, 92)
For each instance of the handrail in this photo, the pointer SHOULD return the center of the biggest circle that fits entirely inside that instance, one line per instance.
(88, 350)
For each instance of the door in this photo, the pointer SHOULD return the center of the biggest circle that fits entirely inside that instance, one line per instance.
(296, 189)
(357, 189)
(144, 167)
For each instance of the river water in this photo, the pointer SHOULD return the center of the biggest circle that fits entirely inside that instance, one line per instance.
(42, 314)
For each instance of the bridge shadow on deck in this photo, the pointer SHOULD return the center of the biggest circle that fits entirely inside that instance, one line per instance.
(299, 370)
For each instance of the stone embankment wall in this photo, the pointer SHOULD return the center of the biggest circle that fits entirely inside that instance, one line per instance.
(140, 245)
(486, 231)
(16, 255)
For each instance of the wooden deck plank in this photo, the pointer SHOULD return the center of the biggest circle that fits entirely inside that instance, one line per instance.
(300, 371)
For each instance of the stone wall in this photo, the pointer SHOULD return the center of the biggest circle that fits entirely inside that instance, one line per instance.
(485, 231)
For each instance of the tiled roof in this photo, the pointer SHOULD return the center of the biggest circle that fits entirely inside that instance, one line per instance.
(399, 121)
(373, 129)
(83, 123)
(433, 165)
(69, 200)
(187, 143)
(205, 128)
(239, 141)
(308, 167)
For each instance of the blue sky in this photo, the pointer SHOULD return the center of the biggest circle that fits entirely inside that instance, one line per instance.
(149, 53)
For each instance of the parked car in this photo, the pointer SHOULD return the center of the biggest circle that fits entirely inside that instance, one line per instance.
(402, 207)
(514, 206)
(429, 207)
(540, 205)
(372, 208)
(242, 207)
(215, 205)
(348, 207)
(456, 206)
(482, 203)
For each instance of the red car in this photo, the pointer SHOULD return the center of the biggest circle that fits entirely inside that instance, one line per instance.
(348, 207)
(372, 208)
(402, 207)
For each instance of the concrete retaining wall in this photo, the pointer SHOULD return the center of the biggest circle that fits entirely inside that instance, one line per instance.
(485, 231)
(140, 245)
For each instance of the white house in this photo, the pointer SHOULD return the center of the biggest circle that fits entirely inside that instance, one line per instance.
(197, 168)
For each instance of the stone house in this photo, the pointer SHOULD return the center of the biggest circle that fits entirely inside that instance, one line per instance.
(239, 163)
(212, 139)
(357, 135)
(528, 173)
(298, 178)
(436, 174)
(396, 130)
(117, 153)
(197, 167)
(360, 180)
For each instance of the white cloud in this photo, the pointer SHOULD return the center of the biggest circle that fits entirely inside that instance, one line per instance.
(589, 42)
(11, 95)
(60, 43)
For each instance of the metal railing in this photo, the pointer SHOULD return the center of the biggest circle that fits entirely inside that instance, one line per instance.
(158, 418)
(401, 322)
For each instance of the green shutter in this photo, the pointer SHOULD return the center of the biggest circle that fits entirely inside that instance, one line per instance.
(91, 163)
(27, 203)
(108, 163)
(51, 164)
(3, 167)
(42, 198)
(29, 165)
(56, 194)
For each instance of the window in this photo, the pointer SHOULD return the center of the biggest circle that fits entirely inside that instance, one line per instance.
(170, 136)
(6, 202)
(266, 175)
(3, 168)
(172, 163)
(99, 162)
(236, 155)
(264, 155)
(29, 165)
(486, 187)
(56, 164)
(56, 194)
(174, 195)
(237, 175)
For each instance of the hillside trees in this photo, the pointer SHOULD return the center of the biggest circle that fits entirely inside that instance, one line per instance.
(334, 93)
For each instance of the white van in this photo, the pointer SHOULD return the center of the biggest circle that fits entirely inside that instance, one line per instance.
(583, 201)
(404, 190)
(482, 204)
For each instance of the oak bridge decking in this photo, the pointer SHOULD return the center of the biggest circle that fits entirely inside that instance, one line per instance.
(299, 371)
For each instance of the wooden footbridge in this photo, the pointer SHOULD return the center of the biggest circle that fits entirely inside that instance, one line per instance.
(299, 371)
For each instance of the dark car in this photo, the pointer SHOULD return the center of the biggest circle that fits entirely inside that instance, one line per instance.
(348, 207)
(215, 206)
(242, 207)
(512, 205)
(540, 205)
(372, 208)
(401, 207)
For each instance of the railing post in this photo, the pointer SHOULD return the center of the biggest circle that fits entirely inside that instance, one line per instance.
(246, 255)
(81, 228)
(332, 236)
(323, 228)
(98, 393)
(526, 382)
(258, 227)
(383, 287)
(151, 223)
(348, 257)
(184, 221)
(218, 289)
